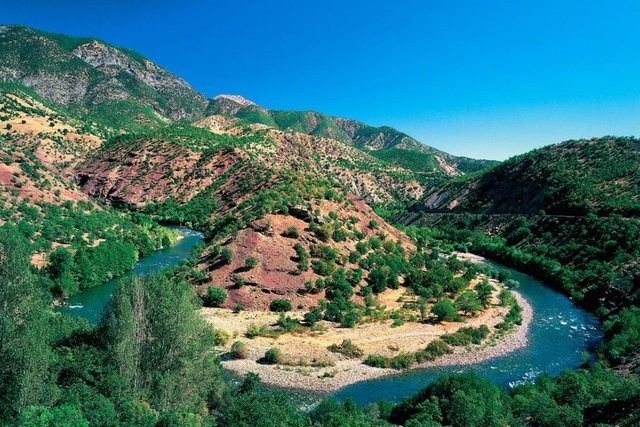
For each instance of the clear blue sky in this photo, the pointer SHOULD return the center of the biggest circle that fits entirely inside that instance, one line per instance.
(479, 78)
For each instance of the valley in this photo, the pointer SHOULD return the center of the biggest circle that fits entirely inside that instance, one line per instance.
(153, 241)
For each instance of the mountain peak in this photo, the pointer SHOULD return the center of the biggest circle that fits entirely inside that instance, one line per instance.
(235, 98)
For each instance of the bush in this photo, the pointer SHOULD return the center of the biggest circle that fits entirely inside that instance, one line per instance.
(291, 232)
(239, 350)
(250, 262)
(226, 256)
(347, 348)
(466, 336)
(373, 224)
(433, 350)
(215, 297)
(273, 356)
(402, 361)
(280, 305)
(377, 361)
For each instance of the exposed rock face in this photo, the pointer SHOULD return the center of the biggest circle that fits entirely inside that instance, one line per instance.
(84, 73)
(151, 171)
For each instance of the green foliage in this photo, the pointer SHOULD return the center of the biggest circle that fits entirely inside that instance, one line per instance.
(280, 305)
(273, 356)
(239, 350)
(291, 232)
(215, 296)
(623, 331)
(226, 256)
(250, 263)
(467, 335)
(457, 400)
(347, 348)
(24, 349)
(171, 364)
(468, 302)
(445, 310)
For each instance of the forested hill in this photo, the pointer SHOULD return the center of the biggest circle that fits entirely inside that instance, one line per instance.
(599, 175)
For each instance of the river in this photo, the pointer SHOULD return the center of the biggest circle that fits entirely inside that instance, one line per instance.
(560, 334)
(91, 303)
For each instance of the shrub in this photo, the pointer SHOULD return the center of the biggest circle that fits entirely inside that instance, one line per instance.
(433, 350)
(215, 297)
(280, 305)
(250, 262)
(273, 356)
(291, 232)
(287, 323)
(377, 361)
(239, 350)
(238, 308)
(313, 316)
(373, 224)
(226, 256)
(347, 348)
(402, 361)
(466, 336)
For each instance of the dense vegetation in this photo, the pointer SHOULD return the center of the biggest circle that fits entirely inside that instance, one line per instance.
(571, 178)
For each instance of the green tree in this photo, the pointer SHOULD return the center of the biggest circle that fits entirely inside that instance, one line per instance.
(280, 305)
(226, 256)
(484, 290)
(24, 330)
(160, 345)
(468, 302)
(445, 310)
(215, 296)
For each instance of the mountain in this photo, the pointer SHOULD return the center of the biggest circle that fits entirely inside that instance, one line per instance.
(385, 143)
(599, 175)
(116, 87)
(567, 212)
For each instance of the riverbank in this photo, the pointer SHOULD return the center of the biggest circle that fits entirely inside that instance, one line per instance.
(303, 353)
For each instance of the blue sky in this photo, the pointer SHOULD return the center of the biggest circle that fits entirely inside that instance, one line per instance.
(480, 78)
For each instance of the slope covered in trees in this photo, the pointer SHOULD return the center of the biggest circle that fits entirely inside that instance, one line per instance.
(571, 178)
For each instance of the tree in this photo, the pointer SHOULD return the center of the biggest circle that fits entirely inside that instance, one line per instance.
(445, 310)
(468, 302)
(60, 269)
(24, 330)
(159, 344)
(484, 290)
(215, 296)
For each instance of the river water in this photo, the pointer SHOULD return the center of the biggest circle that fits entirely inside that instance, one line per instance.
(560, 334)
(91, 303)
